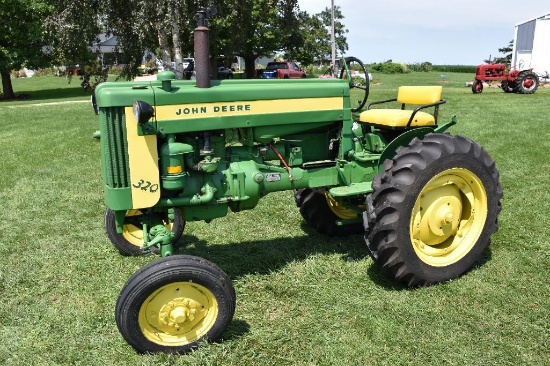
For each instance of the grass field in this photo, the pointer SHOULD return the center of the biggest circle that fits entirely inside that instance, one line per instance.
(302, 299)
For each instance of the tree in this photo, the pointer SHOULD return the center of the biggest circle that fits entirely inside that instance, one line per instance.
(507, 58)
(252, 28)
(162, 26)
(247, 28)
(21, 41)
(339, 28)
(314, 31)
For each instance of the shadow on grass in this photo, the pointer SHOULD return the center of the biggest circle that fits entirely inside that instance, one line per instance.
(71, 92)
(236, 329)
(37, 89)
(391, 285)
(265, 256)
(47, 94)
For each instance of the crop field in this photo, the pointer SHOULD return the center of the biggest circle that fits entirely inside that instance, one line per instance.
(302, 298)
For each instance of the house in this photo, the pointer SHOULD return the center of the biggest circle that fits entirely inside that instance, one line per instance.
(532, 44)
(106, 49)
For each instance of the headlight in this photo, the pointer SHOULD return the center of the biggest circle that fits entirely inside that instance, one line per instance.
(94, 104)
(143, 112)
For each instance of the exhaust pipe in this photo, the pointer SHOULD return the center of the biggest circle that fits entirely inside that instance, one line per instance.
(202, 49)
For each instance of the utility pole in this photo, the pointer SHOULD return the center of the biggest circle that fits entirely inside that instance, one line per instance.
(333, 40)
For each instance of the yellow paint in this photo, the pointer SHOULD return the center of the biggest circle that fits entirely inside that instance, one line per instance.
(244, 108)
(341, 211)
(178, 314)
(448, 217)
(134, 234)
(143, 161)
(396, 118)
(174, 169)
(419, 94)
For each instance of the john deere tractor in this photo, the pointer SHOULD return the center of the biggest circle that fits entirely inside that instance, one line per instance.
(175, 151)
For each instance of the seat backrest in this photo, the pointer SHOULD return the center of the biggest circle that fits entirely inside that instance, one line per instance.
(419, 94)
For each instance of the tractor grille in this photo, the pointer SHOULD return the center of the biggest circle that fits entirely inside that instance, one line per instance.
(115, 147)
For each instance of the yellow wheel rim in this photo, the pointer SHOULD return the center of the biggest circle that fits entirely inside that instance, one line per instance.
(178, 314)
(134, 234)
(341, 211)
(448, 217)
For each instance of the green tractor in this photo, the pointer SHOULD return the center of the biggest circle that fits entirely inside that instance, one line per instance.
(175, 151)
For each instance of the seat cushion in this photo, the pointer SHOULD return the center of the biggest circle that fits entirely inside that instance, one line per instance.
(396, 118)
(419, 94)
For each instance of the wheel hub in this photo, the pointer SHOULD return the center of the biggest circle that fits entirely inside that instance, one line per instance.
(441, 212)
(448, 217)
(178, 312)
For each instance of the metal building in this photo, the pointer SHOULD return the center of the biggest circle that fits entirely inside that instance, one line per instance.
(532, 44)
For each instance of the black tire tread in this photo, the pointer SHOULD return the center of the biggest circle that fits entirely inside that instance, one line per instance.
(521, 78)
(385, 215)
(318, 215)
(162, 272)
(475, 89)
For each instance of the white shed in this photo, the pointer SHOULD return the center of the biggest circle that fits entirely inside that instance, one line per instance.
(532, 44)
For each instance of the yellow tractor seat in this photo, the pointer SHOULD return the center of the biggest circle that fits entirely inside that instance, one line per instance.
(422, 96)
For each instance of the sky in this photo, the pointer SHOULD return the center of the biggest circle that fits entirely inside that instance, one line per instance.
(465, 32)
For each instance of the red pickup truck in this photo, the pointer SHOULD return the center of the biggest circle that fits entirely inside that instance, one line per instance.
(282, 70)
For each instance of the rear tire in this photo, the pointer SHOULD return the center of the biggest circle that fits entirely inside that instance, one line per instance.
(527, 82)
(172, 304)
(321, 211)
(433, 210)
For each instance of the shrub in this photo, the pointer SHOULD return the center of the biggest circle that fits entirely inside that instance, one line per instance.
(46, 72)
(423, 67)
(115, 70)
(389, 67)
(455, 68)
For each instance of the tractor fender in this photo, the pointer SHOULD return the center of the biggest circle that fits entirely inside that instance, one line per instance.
(405, 138)
(402, 140)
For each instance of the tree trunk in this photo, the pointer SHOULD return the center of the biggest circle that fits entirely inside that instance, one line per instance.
(163, 41)
(7, 88)
(250, 66)
(177, 48)
(165, 50)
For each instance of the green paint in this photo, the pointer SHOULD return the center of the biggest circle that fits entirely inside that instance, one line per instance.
(227, 146)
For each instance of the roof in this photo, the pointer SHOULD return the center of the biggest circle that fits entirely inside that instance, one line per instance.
(107, 40)
(543, 16)
(106, 44)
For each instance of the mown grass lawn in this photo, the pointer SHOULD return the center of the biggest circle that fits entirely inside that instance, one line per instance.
(302, 299)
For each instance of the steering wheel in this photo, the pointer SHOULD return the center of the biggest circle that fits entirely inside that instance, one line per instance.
(358, 78)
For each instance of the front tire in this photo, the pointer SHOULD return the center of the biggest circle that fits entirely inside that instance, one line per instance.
(433, 210)
(130, 242)
(508, 87)
(477, 87)
(172, 304)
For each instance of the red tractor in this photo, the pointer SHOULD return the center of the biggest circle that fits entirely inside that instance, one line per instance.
(523, 82)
